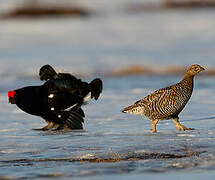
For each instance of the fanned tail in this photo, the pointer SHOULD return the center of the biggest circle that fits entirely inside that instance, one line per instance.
(47, 72)
(74, 118)
(96, 87)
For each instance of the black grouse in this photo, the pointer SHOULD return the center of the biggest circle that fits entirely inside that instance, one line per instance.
(58, 100)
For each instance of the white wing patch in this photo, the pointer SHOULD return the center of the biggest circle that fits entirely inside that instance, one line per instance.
(69, 108)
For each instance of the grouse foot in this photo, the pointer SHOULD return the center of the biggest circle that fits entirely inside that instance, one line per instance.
(46, 128)
(181, 127)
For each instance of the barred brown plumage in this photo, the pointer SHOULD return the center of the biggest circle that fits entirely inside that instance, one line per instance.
(168, 102)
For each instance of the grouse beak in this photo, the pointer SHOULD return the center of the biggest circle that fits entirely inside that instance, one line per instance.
(12, 100)
(202, 69)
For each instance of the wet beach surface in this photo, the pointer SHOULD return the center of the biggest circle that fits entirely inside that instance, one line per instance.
(112, 144)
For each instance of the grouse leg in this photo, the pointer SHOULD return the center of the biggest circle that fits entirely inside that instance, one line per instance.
(179, 126)
(61, 127)
(57, 127)
(153, 125)
(47, 127)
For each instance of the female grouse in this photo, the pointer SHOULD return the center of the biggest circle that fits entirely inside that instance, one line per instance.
(168, 102)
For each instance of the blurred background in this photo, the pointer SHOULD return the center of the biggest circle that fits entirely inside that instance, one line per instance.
(91, 36)
(135, 47)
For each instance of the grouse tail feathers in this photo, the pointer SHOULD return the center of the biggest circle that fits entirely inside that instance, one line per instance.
(96, 87)
(127, 109)
(133, 109)
(74, 118)
(47, 72)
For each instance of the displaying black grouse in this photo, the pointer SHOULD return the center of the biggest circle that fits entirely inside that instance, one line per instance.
(58, 100)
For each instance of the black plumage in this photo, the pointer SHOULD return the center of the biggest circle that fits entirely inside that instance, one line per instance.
(58, 100)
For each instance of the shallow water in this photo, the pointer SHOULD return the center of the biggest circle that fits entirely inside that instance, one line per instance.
(111, 135)
(121, 142)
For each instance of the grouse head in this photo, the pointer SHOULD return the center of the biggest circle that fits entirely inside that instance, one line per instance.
(194, 69)
(12, 97)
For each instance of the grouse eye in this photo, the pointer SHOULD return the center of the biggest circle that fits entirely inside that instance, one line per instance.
(196, 68)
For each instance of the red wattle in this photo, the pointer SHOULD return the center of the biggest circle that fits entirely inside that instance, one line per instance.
(9, 93)
(12, 94)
